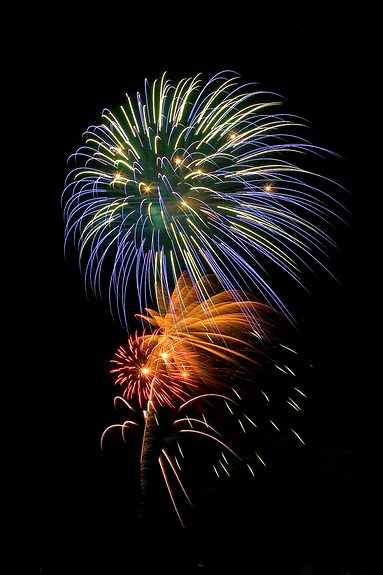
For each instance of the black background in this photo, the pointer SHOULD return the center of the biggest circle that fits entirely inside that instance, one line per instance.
(316, 506)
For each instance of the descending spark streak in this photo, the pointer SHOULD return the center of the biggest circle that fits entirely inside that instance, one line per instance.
(160, 460)
(198, 179)
(213, 438)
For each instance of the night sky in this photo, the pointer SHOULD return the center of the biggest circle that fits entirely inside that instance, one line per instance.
(314, 507)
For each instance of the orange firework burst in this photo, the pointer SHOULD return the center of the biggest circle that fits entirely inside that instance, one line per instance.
(213, 328)
(197, 334)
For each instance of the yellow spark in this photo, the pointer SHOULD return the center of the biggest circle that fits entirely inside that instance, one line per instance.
(265, 395)
(161, 102)
(290, 370)
(295, 433)
(288, 348)
(178, 161)
(149, 213)
(241, 424)
(154, 99)
(251, 421)
(280, 368)
(260, 459)
(145, 370)
(164, 355)
(224, 468)
(145, 187)
(228, 407)
(268, 188)
(293, 404)
(277, 428)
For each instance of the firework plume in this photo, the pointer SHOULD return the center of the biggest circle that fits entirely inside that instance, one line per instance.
(197, 178)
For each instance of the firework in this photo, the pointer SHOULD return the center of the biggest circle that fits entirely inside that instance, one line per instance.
(197, 178)
(198, 332)
(201, 337)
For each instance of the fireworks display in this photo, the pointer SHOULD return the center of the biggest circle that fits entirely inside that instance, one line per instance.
(197, 178)
(190, 196)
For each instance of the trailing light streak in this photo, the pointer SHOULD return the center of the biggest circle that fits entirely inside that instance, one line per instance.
(260, 459)
(300, 439)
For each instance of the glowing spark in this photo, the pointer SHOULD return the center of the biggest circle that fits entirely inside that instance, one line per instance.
(295, 433)
(264, 394)
(299, 391)
(288, 348)
(272, 423)
(250, 420)
(242, 426)
(224, 468)
(293, 404)
(290, 370)
(260, 459)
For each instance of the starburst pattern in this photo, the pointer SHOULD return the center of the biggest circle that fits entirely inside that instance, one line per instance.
(195, 178)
